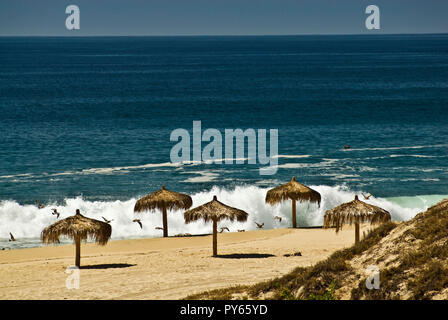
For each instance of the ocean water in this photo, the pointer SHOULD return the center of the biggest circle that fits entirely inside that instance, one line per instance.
(86, 122)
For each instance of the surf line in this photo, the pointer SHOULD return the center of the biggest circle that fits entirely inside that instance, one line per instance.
(234, 139)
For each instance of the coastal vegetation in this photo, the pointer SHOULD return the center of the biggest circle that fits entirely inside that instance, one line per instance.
(411, 256)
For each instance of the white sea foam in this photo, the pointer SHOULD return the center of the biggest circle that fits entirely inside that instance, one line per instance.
(396, 148)
(204, 176)
(292, 156)
(107, 170)
(297, 165)
(411, 155)
(27, 221)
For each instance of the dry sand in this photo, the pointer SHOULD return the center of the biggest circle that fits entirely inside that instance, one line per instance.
(164, 268)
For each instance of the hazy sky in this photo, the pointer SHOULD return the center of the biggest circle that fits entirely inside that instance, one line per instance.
(221, 17)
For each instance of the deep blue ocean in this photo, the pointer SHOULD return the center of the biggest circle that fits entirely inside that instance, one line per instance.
(85, 122)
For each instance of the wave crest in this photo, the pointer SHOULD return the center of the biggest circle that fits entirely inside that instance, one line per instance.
(27, 221)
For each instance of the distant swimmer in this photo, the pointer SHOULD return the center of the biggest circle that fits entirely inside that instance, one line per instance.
(224, 228)
(366, 196)
(55, 213)
(11, 237)
(159, 228)
(241, 230)
(259, 225)
(278, 218)
(139, 223)
(107, 221)
(40, 205)
(347, 146)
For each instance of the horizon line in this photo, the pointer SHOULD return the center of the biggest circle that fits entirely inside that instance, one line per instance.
(226, 35)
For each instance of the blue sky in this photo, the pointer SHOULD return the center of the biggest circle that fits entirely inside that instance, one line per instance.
(220, 17)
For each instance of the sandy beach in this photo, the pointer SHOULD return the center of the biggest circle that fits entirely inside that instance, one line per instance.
(164, 268)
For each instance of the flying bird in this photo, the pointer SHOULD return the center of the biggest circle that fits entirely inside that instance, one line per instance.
(107, 221)
(11, 237)
(278, 218)
(241, 230)
(259, 225)
(139, 223)
(366, 196)
(224, 228)
(55, 213)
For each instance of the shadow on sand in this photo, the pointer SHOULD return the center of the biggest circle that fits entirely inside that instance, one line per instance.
(108, 266)
(245, 255)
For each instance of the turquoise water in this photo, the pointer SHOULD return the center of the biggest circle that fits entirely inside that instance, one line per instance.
(86, 122)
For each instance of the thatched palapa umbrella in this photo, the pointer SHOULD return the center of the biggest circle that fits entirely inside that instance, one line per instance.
(215, 211)
(78, 228)
(356, 212)
(164, 200)
(293, 191)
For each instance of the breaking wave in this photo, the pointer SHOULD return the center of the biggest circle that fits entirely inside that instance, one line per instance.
(26, 222)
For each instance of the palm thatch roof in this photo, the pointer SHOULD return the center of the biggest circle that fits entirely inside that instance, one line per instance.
(292, 190)
(215, 211)
(163, 198)
(355, 211)
(77, 226)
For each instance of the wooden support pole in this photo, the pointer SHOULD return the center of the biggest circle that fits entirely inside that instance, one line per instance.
(215, 238)
(294, 222)
(78, 252)
(165, 222)
(356, 232)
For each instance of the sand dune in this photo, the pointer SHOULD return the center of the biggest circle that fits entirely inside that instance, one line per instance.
(164, 268)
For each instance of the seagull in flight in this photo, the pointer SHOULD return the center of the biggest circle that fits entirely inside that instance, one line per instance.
(107, 221)
(159, 228)
(366, 196)
(278, 218)
(55, 213)
(224, 228)
(259, 225)
(139, 223)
